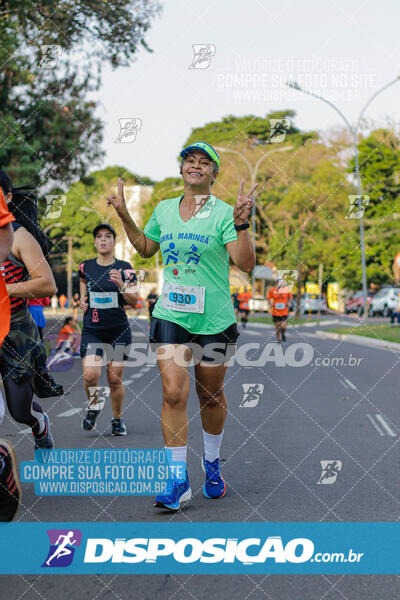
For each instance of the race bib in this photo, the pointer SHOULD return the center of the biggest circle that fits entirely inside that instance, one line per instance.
(280, 306)
(103, 299)
(184, 298)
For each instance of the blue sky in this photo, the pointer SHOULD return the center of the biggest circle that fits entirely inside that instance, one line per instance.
(345, 50)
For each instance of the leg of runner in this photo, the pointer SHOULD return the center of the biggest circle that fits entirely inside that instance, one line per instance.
(91, 376)
(115, 372)
(283, 329)
(10, 487)
(278, 329)
(19, 398)
(174, 422)
(210, 390)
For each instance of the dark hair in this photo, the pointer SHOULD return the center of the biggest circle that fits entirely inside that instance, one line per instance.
(67, 320)
(24, 207)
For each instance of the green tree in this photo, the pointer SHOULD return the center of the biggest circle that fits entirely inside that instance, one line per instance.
(49, 129)
(380, 173)
(84, 208)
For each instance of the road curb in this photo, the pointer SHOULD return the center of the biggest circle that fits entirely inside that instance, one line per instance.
(359, 339)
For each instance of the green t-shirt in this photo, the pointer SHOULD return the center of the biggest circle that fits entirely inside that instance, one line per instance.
(194, 254)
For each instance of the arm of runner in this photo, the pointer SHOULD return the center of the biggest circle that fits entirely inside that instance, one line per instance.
(28, 251)
(130, 297)
(144, 245)
(241, 250)
(84, 303)
(6, 240)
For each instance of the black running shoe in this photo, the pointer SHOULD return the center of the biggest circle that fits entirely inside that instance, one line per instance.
(89, 422)
(10, 488)
(283, 336)
(118, 426)
(45, 439)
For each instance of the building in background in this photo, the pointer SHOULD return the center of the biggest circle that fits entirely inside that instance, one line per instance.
(136, 197)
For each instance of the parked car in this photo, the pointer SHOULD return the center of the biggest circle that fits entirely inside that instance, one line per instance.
(356, 302)
(385, 301)
(311, 303)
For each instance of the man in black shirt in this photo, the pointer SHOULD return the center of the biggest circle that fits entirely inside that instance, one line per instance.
(106, 285)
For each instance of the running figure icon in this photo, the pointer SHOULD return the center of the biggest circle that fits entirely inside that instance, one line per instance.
(193, 255)
(62, 549)
(172, 255)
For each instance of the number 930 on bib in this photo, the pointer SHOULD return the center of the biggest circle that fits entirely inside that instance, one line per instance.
(183, 298)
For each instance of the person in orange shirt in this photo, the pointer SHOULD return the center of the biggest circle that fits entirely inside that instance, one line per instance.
(63, 300)
(10, 487)
(244, 308)
(279, 298)
(69, 337)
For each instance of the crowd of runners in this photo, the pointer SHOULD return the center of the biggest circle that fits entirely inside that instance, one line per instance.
(195, 307)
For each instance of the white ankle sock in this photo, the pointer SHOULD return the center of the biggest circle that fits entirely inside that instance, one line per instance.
(212, 444)
(178, 455)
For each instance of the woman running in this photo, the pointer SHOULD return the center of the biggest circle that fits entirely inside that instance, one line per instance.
(196, 233)
(106, 285)
(27, 274)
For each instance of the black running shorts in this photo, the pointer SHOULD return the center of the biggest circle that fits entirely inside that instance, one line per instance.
(216, 348)
(96, 342)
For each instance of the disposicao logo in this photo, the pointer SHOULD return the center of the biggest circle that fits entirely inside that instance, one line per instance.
(62, 547)
(191, 550)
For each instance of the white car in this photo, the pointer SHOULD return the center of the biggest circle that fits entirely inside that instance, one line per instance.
(385, 301)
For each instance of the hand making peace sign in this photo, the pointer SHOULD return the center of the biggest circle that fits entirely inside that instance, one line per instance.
(118, 200)
(244, 204)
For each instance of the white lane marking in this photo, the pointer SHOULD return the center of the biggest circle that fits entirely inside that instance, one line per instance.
(350, 384)
(127, 382)
(385, 425)
(375, 425)
(23, 431)
(145, 369)
(343, 384)
(136, 376)
(70, 412)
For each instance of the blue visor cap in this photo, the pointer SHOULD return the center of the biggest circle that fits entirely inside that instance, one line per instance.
(204, 147)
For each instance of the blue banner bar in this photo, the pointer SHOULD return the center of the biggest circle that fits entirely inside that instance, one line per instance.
(214, 548)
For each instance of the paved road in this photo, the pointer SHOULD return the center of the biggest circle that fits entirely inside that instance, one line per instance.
(325, 410)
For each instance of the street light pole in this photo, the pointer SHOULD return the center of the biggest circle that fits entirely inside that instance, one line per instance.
(253, 178)
(354, 135)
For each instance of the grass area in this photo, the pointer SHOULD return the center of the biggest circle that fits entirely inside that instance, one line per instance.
(380, 331)
(268, 319)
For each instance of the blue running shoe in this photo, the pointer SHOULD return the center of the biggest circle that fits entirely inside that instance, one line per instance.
(177, 493)
(214, 486)
(45, 440)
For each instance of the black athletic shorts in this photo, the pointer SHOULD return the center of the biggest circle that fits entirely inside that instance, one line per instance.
(216, 348)
(95, 342)
(279, 319)
(245, 311)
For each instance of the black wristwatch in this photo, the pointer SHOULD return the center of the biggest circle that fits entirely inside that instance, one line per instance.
(242, 226)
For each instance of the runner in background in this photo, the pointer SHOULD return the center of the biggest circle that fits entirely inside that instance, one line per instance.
(106, 286)
(76, 301)
(244, 307)
(54, 302)
(279, 298)
(151, 301)
(69, 337)
(10, 487)
(36, 306)
(235, 303)
(63, 301)
(23, 357)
